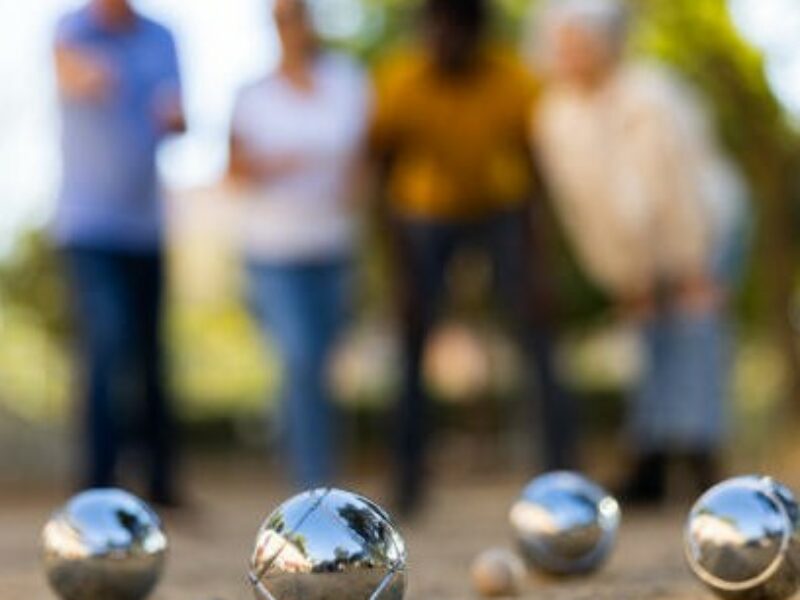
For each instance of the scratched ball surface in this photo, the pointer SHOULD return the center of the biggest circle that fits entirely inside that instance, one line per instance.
(742, 539)
(103, 544)
(565, 524)
(326, 544)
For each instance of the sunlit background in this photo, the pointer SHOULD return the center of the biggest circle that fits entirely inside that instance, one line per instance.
(217, 360)
(743, 56)
(224, 43)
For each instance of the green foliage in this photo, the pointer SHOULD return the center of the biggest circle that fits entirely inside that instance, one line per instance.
(219, 364)
(30, 281)
(34, 372)
(699, 39)
(391, 22)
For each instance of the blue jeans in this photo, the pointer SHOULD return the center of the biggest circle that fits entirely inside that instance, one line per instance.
(302, 309)
(680, 404)
(117, 300)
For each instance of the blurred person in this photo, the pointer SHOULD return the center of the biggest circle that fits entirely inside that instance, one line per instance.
(656, 215)
(120, 95)
(295, 142)
(450, 134)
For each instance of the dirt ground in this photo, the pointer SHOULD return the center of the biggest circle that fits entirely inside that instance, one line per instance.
(211, 543)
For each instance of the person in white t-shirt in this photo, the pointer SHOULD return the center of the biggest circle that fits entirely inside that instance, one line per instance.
(296, 137)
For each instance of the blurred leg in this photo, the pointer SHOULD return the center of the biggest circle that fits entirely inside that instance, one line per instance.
(101, 313)
(701, 358)
(712, 373)
(158, 432)
(680, 404)
(425, 251)
(507, 239)
(300, 308)
(678, 410)
(328, 292)
(557, 409)
(649, 409)
(648, 402)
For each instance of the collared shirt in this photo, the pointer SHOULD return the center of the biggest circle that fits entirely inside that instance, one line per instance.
(458, 144)
(109, 194)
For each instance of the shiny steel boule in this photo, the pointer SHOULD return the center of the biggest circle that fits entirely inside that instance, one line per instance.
(326, 544)
(743, 542)
(565, 524)
(104, 544)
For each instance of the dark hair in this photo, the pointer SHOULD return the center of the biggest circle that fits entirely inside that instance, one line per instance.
(466, 15)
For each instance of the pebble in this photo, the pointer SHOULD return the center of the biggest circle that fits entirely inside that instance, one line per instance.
(498, 572)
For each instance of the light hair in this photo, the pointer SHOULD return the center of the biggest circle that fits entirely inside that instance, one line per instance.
(608, 19)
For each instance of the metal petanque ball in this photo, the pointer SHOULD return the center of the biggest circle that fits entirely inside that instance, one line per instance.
(328, 544)
(743, 542)
(565, 524)
(104, 544)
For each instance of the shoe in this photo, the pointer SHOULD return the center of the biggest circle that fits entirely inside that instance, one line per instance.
(409, 498)
(704, 469)
(647, 483)
(165, 499)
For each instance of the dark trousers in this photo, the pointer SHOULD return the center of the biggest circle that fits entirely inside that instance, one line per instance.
(117, 300)
(425, 249)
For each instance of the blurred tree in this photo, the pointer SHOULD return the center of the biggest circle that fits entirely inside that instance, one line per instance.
(696, 37)
(701, 41)
(30, 280)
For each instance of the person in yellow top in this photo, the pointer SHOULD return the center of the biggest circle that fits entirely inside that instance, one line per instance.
(454, 135)
(450, 134)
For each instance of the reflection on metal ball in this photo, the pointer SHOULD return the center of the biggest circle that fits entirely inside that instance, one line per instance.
(104, 544)
(328, 543)
(565, 524)
(743, 542)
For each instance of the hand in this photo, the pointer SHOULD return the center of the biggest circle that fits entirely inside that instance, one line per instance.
(169, 110)
(276, 166)
(256, 170)
(247, 166)
(637, 306)
(697, 295)
(84, 75)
